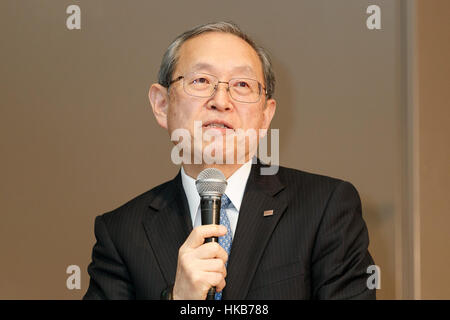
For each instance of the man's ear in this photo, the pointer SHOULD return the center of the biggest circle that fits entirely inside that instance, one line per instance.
(159, 99)
(269, 112)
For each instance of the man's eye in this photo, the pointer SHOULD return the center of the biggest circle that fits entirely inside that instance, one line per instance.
(200, 81)
(242, 84)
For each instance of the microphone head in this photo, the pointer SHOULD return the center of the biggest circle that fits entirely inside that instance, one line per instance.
(211, 181)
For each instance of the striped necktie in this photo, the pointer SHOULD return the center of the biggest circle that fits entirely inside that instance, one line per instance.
(226, 240)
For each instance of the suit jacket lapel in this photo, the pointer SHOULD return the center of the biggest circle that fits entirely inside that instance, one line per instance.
(253, 231)
(167, 226)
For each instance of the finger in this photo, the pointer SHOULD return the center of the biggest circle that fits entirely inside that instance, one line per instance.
(211, 250)
(221, 285)
(214, 279)
(214, 265)
(198, 234)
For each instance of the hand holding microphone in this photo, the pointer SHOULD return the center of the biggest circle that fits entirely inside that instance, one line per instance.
(201, 260)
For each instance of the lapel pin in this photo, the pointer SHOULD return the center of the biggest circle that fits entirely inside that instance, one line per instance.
(268, 213)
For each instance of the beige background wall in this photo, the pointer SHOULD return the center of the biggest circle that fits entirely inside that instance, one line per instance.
(433, 99)
(77, 136)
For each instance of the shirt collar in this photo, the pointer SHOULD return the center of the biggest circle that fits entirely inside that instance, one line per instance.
(236, 184)
(234, 190)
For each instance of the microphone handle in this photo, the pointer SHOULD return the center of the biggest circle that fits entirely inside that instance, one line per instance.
(211, 294)
(210, 208)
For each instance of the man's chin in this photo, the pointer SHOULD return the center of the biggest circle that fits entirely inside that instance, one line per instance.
(219, 155)
(217, 132)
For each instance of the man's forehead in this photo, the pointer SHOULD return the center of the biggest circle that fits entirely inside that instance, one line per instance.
(211, 52)
(204, 66)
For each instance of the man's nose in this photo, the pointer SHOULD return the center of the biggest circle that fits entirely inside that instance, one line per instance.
(221, 99)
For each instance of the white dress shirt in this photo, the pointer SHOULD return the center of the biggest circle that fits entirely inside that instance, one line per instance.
(234, 191)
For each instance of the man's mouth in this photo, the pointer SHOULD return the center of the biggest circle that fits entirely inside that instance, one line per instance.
(217, 124)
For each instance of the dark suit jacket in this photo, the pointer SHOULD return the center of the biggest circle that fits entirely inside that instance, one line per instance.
(314, 246)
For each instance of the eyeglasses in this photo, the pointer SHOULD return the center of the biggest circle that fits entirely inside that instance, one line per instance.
(204, 85)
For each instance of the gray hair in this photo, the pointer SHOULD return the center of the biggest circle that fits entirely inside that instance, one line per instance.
(170, 57)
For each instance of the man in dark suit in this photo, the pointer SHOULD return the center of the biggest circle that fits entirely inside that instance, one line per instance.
(292, 234)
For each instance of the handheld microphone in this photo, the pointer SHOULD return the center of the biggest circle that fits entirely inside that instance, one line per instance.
(211, 185)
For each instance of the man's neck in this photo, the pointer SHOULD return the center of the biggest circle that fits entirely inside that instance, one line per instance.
(193, 170)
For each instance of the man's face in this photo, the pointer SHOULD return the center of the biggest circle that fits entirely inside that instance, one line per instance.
(225, 56)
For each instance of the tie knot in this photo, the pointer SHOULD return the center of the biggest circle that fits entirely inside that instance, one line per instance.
(225, 202)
